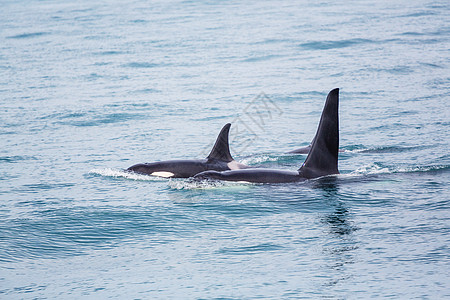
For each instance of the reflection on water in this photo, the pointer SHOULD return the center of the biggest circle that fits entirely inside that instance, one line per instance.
(339, 250)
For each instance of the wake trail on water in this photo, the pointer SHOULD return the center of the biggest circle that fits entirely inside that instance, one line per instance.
(377, 168)
(385, 149)
(114, 173)
(193, 184)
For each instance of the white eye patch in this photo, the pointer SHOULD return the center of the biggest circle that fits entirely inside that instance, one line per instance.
(162, 174)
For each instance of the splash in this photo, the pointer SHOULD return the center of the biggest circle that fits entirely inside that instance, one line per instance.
(191, 184)
(257, 159)
(376, 168)
(371, 169)
(423, 169)
(108, 172)
(266, 159)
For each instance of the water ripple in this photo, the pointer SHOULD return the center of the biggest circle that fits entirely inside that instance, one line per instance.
(28, 35)
(326, 45)
(245, 250)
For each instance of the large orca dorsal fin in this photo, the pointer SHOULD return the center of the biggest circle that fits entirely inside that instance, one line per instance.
(221, 149)
(323, 157)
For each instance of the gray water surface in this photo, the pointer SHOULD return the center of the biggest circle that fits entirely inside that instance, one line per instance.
(88, 89)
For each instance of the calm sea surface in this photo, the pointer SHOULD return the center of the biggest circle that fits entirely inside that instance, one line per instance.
(88, 88)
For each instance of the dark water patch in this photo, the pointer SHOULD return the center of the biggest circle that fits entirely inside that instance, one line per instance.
(38, 202)
(272, 41)
(139, 21)
(63, 116)
(108, 53)
(99, 37)
(326, 45)
(413, 33)
(78, 10)
(28, 35)
(102, 64)
(26, 289)
(148, 91)
(111, 118)
(261, 58)
(432, 65)
(93, 77)
(143, 65)
(428, 37)
(16, 158)
(431, 41)
(339, 221)
(418, 14)
(126, 106)
(246, 250)
(338, 74)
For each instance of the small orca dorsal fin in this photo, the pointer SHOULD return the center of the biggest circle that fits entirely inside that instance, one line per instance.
(221, 149)
(323, 157)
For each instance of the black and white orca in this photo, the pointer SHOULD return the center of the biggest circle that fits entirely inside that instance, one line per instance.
(322, 159)
(219, 159)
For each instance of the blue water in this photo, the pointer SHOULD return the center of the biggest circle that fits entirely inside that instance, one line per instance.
(88, 88)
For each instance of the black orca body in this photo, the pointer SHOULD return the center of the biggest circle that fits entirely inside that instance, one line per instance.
(219, 159)
(302, 150)
(322, 159)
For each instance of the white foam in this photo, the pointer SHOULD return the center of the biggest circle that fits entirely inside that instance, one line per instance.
(108, 172)
(376, 169)
(258, 159)
(194, 184)
(191, 184)
(370, 169)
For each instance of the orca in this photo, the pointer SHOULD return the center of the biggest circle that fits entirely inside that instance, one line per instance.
(302, 150)
(219, 159)
(322, 159)
(306, 149)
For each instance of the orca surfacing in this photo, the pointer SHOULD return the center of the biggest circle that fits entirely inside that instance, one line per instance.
(219, 159)
(322, 159)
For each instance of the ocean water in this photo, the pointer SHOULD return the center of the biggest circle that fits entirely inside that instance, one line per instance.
(88, 88)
